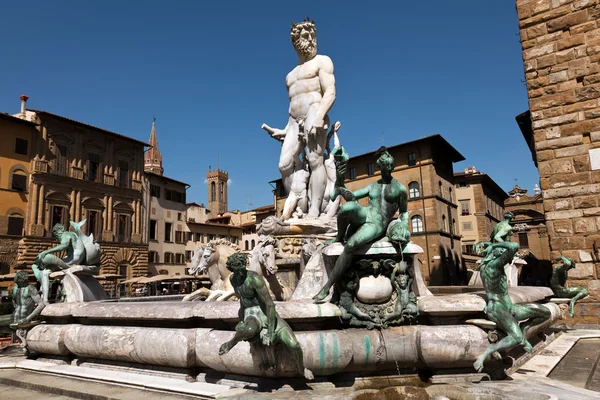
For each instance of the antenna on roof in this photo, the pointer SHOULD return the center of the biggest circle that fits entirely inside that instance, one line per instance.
(217, 160)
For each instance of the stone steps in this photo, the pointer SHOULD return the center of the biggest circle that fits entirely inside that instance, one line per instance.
(100, 384)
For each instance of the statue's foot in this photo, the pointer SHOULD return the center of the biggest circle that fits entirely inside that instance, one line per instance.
(478, 364)
(572, 310)
(308, 374)
(224, 349)
(527, 346)
(320, 297)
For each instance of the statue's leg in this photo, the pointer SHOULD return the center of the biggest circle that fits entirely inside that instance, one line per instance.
(245, 330)
(573, 293)
(536, 313)
(366, 233)
(45, 283)
(287, 337)
(318, 175)
(507, 323)
(290, 205)
(350, 213)
(290, 151)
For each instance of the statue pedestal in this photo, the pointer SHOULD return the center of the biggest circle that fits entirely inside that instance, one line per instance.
(82, 288)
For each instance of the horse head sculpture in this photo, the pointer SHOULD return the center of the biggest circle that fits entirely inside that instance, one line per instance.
(200, 259)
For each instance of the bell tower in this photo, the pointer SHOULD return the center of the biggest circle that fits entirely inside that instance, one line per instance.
(153, 158)
(217, 191)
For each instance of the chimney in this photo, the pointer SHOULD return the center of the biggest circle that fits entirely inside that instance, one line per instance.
(23, 98)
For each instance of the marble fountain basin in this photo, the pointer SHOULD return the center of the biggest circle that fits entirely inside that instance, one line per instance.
(189, 334)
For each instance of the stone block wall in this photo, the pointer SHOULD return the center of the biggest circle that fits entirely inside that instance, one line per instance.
(561, 55)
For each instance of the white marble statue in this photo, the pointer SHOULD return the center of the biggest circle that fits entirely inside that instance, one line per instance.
(311, 89)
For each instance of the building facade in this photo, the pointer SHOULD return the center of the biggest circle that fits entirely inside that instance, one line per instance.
(424, 167)
(249, 221)
(481, 207)
(16, 138)
(200, 230)
(79, 171)
(531, 232)
(561, 59)
(167, 216)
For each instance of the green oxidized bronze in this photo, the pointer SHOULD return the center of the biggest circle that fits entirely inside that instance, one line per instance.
(367, 224)
(499, 307)
(83, 255)
(502, 231)
(259, 321)
(558, 280)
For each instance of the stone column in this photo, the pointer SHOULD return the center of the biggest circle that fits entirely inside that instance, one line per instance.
(140, 217)
(72, 208)
(78, 206)
(105, 214)
(134, 218)
(32, 214)
(109, 223)
(44, 141)
(40, 212)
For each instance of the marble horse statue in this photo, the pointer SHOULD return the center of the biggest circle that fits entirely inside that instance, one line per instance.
(262, 261)
(212, 258)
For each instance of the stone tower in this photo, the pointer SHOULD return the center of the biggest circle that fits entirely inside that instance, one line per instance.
(217, 191)
(153, 159)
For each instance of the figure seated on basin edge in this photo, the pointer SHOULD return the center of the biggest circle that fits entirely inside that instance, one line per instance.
(558, 280)
(499, 307)
(83, 255)
(259, 318)
(367, 224)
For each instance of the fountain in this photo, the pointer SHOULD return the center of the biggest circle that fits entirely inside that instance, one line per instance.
(360, 307)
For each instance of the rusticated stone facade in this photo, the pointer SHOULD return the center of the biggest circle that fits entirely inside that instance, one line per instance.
(561, 55)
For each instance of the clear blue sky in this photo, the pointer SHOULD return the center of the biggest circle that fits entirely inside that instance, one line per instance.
(213, 72)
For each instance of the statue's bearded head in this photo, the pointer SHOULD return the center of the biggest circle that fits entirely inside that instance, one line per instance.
(236, 262)
(304, 38)
(58, 231)
(22, 279)
(384, 159)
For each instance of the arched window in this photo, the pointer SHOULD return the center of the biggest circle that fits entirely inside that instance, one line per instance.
(444, 224)
(213, 191)
(414, 190)
(253, 244)
(18, 179)
(222, 191)
(417, 223)
(246, 245)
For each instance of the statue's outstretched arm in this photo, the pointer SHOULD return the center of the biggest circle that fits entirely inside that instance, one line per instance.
(360, 193)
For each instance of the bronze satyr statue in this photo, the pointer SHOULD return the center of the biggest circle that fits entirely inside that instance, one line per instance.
(259, 319)
(499, 307)
(558, 280)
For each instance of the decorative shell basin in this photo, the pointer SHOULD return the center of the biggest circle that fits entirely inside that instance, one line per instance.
(374, 290)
